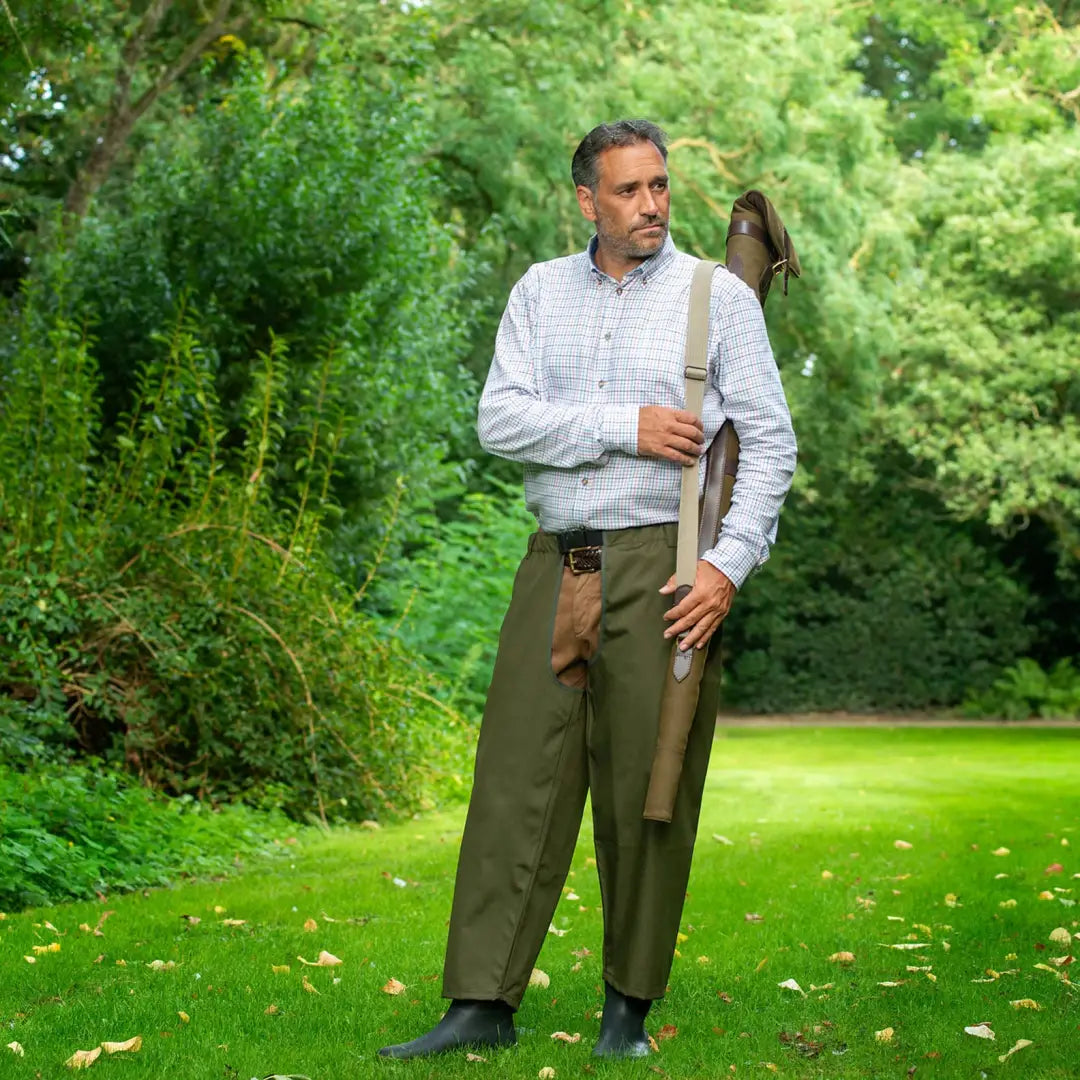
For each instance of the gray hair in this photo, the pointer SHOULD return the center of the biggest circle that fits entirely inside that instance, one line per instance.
(584, 168)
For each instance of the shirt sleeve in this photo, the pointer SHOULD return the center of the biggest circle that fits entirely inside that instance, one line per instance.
(515, 422)
(746, 376)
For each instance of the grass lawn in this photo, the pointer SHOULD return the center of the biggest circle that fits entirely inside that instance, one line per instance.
(813, 818)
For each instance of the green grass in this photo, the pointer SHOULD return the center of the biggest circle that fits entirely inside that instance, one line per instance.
(794, 803)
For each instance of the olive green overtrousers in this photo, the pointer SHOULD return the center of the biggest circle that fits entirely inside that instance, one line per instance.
(542, 746)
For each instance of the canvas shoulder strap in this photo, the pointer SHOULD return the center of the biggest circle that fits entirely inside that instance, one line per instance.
(697, 371)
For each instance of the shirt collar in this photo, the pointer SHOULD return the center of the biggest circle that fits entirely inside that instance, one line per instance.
(644, 270)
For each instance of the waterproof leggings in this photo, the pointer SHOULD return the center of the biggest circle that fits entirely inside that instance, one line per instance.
(546, 741)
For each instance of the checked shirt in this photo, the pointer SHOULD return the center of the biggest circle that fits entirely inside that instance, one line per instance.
(577, 355)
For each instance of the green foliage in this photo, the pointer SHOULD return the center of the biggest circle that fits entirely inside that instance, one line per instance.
(68, 832)
(449, 606)
(164, 611)
(1026, 689)
(893, 611)
(297, 214)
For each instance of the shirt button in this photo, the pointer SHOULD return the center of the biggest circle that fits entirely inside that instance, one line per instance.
(601, 382)
(607, 336)
(584, 481)
(618, 291)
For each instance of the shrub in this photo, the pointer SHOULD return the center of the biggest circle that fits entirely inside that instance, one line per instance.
(1024, 689)
(161, 608)
(890, 609)
(69, 832)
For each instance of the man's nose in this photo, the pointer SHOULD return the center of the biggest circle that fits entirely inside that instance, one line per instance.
(649, 206)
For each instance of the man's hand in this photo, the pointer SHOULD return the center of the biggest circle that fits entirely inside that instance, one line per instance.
(671, 434)
(703, 608)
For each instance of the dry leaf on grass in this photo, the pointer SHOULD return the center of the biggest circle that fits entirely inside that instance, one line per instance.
(1000, 851)
(160, 965)
(951, 901)
(905, 945)
(219, 910)
(668, 1031)
(884, 1035)
(184, 1018)
(753, 916)
(1061, 936)
(280, 969)
(394, 987)
(40, 950)
(546, 1073)
(310, 926)
(901, 845)
(1025, 1003)
(539, 978)
(891, 982)
(791, 984)
(980, 1031)
(325, 960)
(129, 1046)
(553, 929)
(16, 1049)
(1018, 1045)
(306, 984)
(271, 1010)
(562, 1036)
(652, 1045)
(842, 958)
(723, 840)
(234, 922)
(83, 1059)
(476, 1057)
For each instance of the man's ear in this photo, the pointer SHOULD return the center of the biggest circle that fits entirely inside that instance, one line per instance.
(586, 202)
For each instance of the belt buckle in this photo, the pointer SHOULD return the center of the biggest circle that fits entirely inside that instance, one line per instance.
(574, 569)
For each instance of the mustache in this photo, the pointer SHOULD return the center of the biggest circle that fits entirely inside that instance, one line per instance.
(653, 224)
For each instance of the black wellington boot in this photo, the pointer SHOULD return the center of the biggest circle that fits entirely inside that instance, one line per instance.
(622, 1026)
(466, 1023)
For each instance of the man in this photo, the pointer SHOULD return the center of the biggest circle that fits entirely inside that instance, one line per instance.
(586, 390)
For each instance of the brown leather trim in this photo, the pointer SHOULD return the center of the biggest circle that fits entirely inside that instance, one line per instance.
(748, 228)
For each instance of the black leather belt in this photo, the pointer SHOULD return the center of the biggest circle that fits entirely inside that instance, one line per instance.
(581, 550)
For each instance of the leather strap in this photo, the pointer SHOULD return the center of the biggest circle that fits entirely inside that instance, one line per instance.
(748, 228)
(696, 373)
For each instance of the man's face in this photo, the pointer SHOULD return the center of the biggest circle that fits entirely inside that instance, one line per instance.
(631, 203)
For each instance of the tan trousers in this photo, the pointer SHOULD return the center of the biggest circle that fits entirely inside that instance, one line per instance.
(573, 708)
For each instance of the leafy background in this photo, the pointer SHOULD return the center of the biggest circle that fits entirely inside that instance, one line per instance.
(252, 261)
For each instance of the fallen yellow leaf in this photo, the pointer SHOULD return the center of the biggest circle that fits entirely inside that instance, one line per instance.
(842, 958)
(562, 1036)
(160, 965)
(1018, 1045)
(901, 845)
(131, 1046)
(1025, 1003)
(234, 922)
(980, 1031)
(271, 1010)
(546, 1073)
(827, 875)
(325, 960)
(791, 984)
(184, 1018)
(1007, 903)
(311, 989)
(30, 959)
(16, 1049)
(884, 1035)
(1061, 936)
(83, 1059)
(219, 910)
(539, 978)
(476, 1057)
(41, 950)
(1000, 851)
(280, 969)
(310, 926)
(392, 987)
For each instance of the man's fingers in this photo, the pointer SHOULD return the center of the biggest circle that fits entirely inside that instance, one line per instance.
(684, 416)
(680, 458)
(688, 432)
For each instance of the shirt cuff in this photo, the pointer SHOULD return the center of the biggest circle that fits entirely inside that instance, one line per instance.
(734, 559)
(618, 428)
